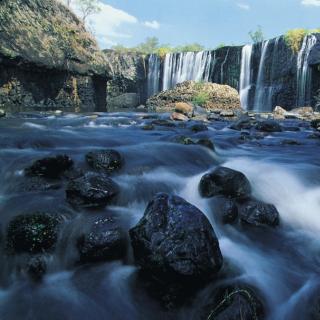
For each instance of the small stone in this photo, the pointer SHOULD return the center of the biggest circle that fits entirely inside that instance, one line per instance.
(198, 128)
(105, 160)
(2, 113)
(175, 116)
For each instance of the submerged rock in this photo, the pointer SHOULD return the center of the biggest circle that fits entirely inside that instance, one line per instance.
(235, 303)
(225, 181)
(244, 122)
(206, 143)
(174, 240)
(36, 268)
(50, 167)
(34, 233)
(105, 160)
(91, 190)
(257, 213)
(184, 140)
(198, 128)
(163, 123)
(104, 241)
(269, 126)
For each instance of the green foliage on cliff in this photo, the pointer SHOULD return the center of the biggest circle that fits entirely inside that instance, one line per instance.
(294, 38)
(46, 33)
(257, 35)
(152, 45)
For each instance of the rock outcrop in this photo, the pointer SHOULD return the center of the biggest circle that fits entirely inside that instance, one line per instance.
(128, 86)
(48, 60)
(215, 97)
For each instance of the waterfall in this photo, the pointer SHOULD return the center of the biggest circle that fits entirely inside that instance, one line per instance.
(262, 91)
(245, 75)
(222, 66)
(304, 71)
(179, 67)
(153, 74)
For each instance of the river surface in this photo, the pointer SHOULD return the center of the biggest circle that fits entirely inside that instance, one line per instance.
(282, 263)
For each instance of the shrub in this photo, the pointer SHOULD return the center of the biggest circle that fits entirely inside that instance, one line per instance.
(201, 98)
(294, 38)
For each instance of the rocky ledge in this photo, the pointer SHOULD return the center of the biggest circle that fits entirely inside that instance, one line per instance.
(210, 96)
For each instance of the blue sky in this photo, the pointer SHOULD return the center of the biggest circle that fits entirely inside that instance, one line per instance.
(209, 22)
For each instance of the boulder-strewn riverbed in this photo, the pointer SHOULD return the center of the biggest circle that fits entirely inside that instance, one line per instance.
(135, 216)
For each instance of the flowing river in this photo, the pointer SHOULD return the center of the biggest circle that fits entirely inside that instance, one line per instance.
(282, 263)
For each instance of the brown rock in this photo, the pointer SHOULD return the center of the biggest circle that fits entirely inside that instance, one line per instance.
(176, 116)
(185, 108)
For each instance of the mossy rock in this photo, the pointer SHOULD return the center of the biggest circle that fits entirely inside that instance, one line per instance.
(33, 233)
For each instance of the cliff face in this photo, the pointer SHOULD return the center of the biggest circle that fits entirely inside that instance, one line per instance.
(47, 59)
(127, 89)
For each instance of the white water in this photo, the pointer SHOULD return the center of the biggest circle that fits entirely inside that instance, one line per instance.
(245, 76)
(179, 67)
(153, 75)
(304, 71)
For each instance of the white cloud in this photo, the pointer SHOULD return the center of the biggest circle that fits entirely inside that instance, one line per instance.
(244, 6)
(152, 24)
(311, 3)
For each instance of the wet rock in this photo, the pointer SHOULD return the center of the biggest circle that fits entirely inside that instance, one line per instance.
(174, 240)
(105, 241)
(269, 126)
(227, 113)
(198, 128)
(206, 143)
(163, 123)
(228, 211)
(50, 167)
(290, 142)
(244, 122)
(107, 161)
(291, 129)
(91, 190)
(176, 116)
(224, 181)
(36, 268)
(2, 113)
(34, 233)
(235, 303)
(147, 127)
(257, 213)
(279, 112)
(184, 140)
(315, 123)
(315, 135)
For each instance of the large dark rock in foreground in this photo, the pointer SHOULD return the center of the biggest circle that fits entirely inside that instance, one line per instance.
(257, 213)
(235, 303)
(34, 233)
(104, 241)
(50, 167)
(269, 126)
(224, 181)
(91, 190)
(174, 241)
(104, 160)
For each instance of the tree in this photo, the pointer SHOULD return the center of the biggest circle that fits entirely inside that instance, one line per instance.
(87, 8)
(193, 47)
(257, 36)
(151, 45)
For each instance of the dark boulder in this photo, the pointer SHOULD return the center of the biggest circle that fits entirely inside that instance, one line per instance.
(174, 241)
(34, 233)
(268, 126)
(104, 241)
(91, 190)
(224, 181)
(235, 303)
(50, 167)
(257, 213)
(198, 128)
(105, 160)
(243, 122)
